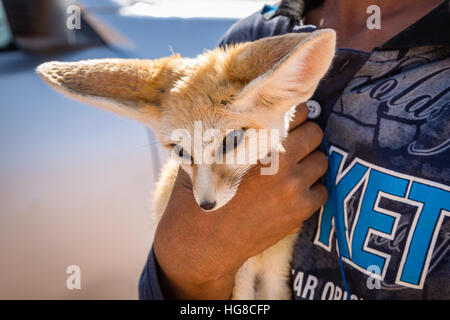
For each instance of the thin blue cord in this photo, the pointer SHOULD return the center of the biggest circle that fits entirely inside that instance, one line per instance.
(337, 224)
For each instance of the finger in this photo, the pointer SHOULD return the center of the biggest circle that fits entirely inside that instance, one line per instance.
(300, 116)
(312, 167)
(308, 204)
(317, 196)
(302, 141)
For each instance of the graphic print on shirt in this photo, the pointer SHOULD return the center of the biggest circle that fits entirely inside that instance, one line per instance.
(385, 211)
(389, 135)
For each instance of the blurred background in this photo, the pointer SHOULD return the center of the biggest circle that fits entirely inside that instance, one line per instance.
(75, 182)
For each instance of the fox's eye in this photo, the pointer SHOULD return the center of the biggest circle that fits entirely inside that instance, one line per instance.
(232, 140)
(182, 153)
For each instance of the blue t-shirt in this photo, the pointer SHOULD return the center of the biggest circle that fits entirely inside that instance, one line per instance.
(385, 115)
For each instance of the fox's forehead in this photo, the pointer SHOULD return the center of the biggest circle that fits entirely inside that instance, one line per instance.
(204, 85)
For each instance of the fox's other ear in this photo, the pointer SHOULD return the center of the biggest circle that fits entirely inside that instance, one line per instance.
(293, 78)
(128, 87)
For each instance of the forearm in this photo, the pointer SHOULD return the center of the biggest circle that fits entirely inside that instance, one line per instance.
(179, 288)
(174, 281)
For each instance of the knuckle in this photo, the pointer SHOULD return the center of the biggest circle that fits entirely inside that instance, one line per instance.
(301, 114)
(302, 111)
(294, 185)
(316, 130)
(316, 164)
(313, 134)
(306, 206)
(322, 193)
(321, 160)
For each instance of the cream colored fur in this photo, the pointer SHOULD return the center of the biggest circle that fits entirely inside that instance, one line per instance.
(250, 85)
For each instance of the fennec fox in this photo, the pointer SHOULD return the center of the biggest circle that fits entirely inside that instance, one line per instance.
(246, 86)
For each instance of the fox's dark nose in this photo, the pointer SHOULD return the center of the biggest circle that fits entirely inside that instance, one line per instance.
(207, 205)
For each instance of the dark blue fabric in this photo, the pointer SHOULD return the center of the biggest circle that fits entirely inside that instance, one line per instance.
(149, 288)
(256, 27)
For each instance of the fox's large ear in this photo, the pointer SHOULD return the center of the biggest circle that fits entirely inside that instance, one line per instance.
(131, 88)
(285, 69)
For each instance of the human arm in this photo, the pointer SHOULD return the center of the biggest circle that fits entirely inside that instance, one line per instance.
(198, 253)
